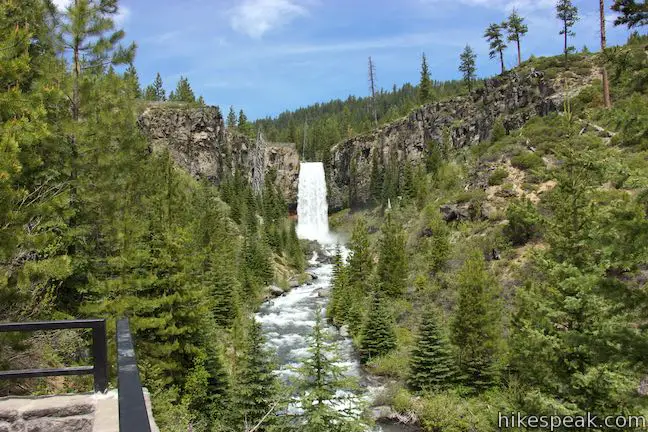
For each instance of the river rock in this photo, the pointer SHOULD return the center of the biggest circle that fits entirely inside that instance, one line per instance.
(383, 412)
(293, 283)
(275, 291)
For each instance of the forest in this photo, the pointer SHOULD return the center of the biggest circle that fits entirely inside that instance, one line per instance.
(533, 300)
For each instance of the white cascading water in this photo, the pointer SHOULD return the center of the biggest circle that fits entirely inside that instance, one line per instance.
(312, 208)
(289, 319)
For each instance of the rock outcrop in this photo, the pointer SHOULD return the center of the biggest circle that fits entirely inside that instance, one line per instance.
(464, 121)
(199, 143)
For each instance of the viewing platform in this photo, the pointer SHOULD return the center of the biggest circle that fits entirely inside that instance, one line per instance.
(125, 409)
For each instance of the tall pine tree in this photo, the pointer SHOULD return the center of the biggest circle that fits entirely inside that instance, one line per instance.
(477, 328)
(432, 364)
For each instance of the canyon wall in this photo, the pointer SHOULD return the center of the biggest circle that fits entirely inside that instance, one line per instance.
(199, 143)
(464, 120)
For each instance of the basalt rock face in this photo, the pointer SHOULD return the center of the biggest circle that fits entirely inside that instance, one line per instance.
(465, 121)
(199, 143)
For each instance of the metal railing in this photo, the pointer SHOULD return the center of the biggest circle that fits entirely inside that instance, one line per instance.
(99, 368)
(133, 416)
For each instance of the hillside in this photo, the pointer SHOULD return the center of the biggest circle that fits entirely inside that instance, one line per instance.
(519, 255)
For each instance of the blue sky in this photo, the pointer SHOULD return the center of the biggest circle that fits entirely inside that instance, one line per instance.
(267, 56)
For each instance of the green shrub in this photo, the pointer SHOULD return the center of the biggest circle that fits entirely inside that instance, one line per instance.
(498, 131)
(527, 161)
(449, 176)
(524, 222)
(498, 176)
(394, 365)
(475, 195)
(402, 402)
(449, 412)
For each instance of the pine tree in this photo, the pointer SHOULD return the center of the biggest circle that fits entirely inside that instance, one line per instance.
(378, 337)
(632, 13)
(158, 88)
(243, 125)
(183, 92)
(320, 379)
(467, 66)
(495, 38)
(231, 118)
(256, 387)
(476, 329)
(338, 303)
(575, 339)
(392, 261)
(425, 85)
(131, 76)
(431, 362)
(516, 30)
(568, 14)
(360, 258)
(201, 101)
(157, 92)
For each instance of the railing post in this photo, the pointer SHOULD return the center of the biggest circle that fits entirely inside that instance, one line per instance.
(133, 416)
(100, 356)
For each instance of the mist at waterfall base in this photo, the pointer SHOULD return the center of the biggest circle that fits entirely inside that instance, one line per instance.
(288, 320)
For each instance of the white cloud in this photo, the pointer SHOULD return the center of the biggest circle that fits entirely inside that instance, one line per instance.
(256, 17)
(399, 41)
(506, 5)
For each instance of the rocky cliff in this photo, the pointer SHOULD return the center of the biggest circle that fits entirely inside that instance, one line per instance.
(465, 121)
(198, 141)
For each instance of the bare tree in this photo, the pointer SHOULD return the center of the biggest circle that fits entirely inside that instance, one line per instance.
(372, 89)
(606, 82)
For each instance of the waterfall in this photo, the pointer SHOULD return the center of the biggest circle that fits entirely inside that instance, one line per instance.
(312, 208)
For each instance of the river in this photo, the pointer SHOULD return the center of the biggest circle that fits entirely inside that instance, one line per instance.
(288, 320)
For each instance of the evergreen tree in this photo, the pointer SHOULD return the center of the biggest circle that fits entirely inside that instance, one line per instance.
(231, 118)
(516, 30)
(206, 390)
(320, 379)
(157, 92)
(183, 92)
(256, 387)
(632, 13)
(431, 362)
(575, 339)
(338, 304)
(131, 76)
(392, 261)
(568, 14)
(467, 66)
(476, 329)
(378, 337)
(243, 125)
(201, 101)
(360, 258)
(425, 85)
(495, 38)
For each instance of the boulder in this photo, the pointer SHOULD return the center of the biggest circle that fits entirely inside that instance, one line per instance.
(455, 212)
(275, 291)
